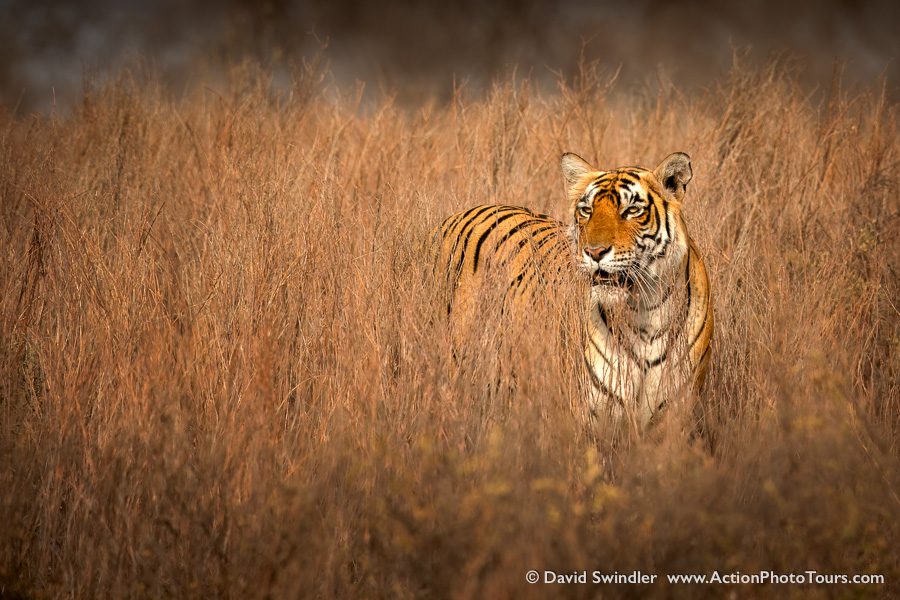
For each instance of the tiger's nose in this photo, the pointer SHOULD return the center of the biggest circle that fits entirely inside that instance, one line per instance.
(596, 252)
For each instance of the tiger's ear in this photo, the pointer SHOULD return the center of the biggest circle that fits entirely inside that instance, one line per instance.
(674, 173)
(574, 168)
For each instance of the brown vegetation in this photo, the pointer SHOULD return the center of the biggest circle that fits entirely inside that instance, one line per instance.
(222, 371)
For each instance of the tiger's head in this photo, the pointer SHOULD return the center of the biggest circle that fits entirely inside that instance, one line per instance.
(626, 223)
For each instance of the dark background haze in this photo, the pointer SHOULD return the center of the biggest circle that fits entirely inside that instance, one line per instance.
(416, 49)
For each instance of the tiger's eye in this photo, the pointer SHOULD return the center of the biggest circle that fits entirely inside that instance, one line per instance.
(584, 212)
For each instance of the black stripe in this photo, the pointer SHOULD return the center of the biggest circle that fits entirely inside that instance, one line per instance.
(467, 219)
(602, 312)
(661, 332)
(513, 285)
(649, 212)
(687, 276)
(700, 331)
(705, 353)
(522, 283)
(566, 246)
(485, 234)
(460, 217)
(661, 252)
(450, 222)
(599, 351)
(632, 354)
(686, 312)
(470, 227)
(454, 268)
(600, 385)
(649, 364)
(531, 264)
(530, 238)
(620, 343)
(561, 251)
(590, 370)
(506, 236)
(543, 241)
(657, 255)
(655, 231)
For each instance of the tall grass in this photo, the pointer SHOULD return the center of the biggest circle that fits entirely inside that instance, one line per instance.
(225, 370)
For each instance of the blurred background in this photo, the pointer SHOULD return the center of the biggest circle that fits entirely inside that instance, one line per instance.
(418, 50)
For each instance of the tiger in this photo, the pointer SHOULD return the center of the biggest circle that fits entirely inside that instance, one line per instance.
(648, 322)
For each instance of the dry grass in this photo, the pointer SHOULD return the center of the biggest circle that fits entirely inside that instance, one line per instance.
(223, 372)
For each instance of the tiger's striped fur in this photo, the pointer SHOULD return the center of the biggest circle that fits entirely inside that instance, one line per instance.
(649, 311)
(532, 247)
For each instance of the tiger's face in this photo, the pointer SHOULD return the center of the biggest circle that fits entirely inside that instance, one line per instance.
(626, 223)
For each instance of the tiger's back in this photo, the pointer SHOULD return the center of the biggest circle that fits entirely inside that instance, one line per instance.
(511, 247)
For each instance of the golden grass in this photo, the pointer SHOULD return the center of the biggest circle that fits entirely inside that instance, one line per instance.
(225, 370)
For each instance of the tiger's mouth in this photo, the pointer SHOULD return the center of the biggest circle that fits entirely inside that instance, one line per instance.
(619, 279)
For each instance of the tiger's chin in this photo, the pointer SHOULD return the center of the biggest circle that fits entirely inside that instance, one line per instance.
(608, 295)
(609, 288)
